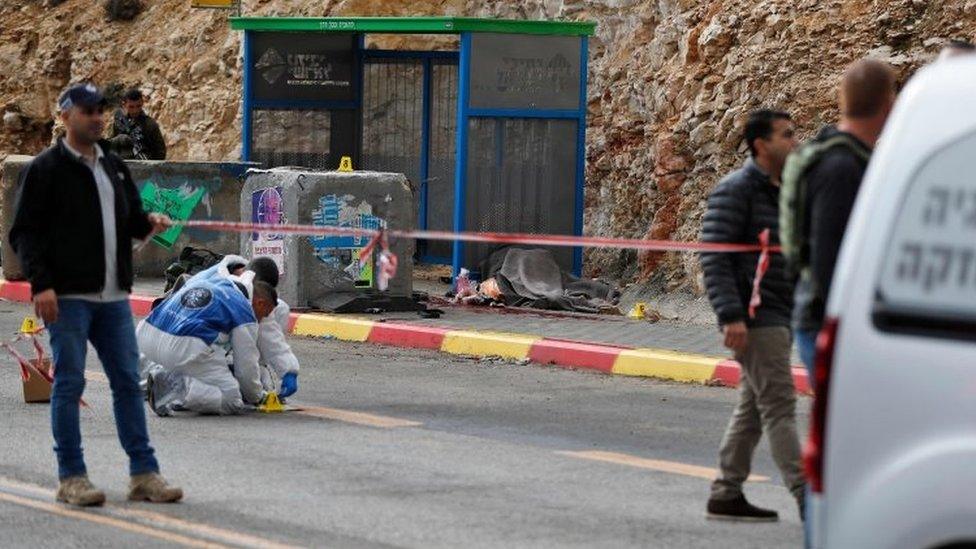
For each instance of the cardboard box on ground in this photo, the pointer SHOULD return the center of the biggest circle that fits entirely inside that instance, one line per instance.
(36, 388)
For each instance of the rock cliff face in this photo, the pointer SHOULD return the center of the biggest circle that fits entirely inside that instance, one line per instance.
(671, 82)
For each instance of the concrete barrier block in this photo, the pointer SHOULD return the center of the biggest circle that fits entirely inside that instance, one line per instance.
(12, 167)
(208, 190)
(203, 190)
(314, 267)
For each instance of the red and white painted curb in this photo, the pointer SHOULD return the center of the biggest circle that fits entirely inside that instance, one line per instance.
(610, 359)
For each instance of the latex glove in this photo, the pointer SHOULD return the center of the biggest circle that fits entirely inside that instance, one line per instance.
(289, 384)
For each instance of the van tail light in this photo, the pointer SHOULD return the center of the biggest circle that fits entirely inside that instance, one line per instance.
(813, 452)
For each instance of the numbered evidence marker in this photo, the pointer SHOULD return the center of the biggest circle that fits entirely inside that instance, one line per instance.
(272, 404)
(29, 326)
(345, 164)
(639, 311)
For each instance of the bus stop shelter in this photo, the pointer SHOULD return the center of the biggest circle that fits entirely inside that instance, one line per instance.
(491, 136)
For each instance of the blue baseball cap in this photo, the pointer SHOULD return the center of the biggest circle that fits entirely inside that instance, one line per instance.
(81, 95)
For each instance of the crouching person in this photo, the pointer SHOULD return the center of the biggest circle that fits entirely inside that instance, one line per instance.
(229, 265)
(188, 338)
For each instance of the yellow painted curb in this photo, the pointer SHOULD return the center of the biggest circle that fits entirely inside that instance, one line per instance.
(346, 329)
(488, 344)
(666, 365)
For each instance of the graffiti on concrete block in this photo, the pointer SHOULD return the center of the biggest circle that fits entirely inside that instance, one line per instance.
(343, 252)
(177, 203)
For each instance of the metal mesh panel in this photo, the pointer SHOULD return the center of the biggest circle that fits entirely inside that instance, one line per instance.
(443, 146)
(393, 117)
(292, 138)
(521, 178)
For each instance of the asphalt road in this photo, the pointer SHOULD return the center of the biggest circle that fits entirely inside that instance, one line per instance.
(399, 448)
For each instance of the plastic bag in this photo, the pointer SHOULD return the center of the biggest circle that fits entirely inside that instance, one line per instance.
(464, 286)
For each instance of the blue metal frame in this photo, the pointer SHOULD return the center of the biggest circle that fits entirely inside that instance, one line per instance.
(409, 54)
(425, 146)
(427, 58)
(464, 114)
(461, 149)
(246, 115)
(524, 113)
(580, 158)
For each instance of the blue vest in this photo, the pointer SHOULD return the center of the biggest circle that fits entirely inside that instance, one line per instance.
(204, 308)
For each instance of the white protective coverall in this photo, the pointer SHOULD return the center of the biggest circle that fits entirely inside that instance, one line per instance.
(190, 335)
(276, 353)
(277, 358)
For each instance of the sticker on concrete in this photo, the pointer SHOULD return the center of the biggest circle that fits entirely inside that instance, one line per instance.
(268, 208)
(178, 204)
(342, 252)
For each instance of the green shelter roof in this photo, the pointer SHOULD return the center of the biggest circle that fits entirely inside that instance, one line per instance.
(412, 25)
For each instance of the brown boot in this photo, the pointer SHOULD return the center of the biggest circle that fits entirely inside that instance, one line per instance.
(78, 490)
(152, 487)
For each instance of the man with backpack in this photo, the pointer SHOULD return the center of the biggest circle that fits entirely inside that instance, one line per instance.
(820, 182)
(743, 205)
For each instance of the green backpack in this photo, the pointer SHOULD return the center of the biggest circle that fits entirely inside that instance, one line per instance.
(793, 194)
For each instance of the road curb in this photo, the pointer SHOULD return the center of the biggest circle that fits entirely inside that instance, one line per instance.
(609, 359)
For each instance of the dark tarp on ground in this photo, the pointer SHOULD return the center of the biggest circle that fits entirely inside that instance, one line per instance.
(532, 278)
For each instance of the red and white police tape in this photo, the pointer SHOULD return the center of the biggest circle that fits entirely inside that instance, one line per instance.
(388, 261)
(489, 237)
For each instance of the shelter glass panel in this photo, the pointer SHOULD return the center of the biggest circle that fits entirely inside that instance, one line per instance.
(314, 139)
(511, 71)
(443, 152)
(393, 117)
(520, 178)
(291, 138)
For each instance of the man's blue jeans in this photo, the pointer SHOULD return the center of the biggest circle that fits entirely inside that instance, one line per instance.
(806, 344)
(109, 328)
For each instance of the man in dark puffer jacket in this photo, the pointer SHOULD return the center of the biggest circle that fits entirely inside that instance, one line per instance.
(742, 205)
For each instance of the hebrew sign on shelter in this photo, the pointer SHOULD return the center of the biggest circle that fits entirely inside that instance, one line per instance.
(525, 72)
(304, 66)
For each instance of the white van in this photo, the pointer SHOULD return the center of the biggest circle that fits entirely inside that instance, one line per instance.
(892, 449)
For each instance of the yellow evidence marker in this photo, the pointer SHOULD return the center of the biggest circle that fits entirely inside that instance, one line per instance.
(29, 325)
(272, 404)
(639, 311)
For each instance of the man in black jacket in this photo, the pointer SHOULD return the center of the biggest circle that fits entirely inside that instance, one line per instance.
(867, 95)
(76, 215)
(742, 205)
